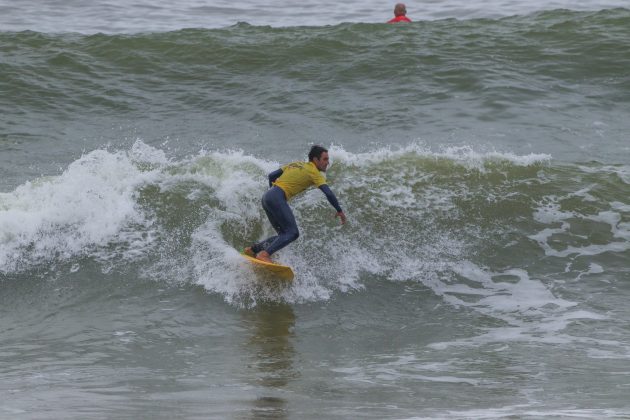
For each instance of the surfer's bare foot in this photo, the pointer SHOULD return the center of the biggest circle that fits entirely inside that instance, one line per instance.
(264, 256)
(249, 252)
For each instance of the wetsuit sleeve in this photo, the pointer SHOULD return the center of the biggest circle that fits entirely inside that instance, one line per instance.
(274, 175)
(331, 197)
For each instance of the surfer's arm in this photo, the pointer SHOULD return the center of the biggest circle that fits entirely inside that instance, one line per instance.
(332, 199)
(273, 176)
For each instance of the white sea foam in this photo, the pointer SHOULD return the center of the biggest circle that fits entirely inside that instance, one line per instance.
(92, 203)
(95, 208)
(466, 156)
(622, 171)
(529, 308)
(219, 268)
(355, 249)
(550, 213)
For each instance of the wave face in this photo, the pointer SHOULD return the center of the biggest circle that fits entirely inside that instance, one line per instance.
(415, 215)
(553, 82)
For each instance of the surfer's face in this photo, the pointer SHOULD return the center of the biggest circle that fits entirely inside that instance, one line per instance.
(322, 162)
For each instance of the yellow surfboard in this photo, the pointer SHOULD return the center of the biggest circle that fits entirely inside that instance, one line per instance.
(282, 271)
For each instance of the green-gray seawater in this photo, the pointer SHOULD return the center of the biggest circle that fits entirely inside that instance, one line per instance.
(484, 167)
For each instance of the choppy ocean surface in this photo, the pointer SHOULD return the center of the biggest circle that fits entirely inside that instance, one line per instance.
(481, 154)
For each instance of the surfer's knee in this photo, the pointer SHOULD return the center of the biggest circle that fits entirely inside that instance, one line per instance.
(294, 234)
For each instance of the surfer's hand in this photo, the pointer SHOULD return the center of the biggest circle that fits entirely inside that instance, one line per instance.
(341, 216)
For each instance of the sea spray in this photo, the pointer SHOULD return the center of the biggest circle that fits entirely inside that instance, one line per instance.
(414, 215)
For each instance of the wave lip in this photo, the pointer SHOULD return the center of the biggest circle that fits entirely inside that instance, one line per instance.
(464, 155)
(93, 202)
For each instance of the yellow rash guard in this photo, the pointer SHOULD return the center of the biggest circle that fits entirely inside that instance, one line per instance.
(298, 176)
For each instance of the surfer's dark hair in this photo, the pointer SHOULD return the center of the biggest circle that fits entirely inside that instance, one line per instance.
(316, 152)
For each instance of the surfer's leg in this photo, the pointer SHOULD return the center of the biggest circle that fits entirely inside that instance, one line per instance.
(287, 227)
(267, 204)
(281, 217)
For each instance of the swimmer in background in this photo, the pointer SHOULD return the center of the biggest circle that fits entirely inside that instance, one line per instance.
(400, 14)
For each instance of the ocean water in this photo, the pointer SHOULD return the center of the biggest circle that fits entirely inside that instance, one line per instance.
(481, 154)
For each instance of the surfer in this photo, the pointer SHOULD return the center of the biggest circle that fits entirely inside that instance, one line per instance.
(400, 14)
(285, 183)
